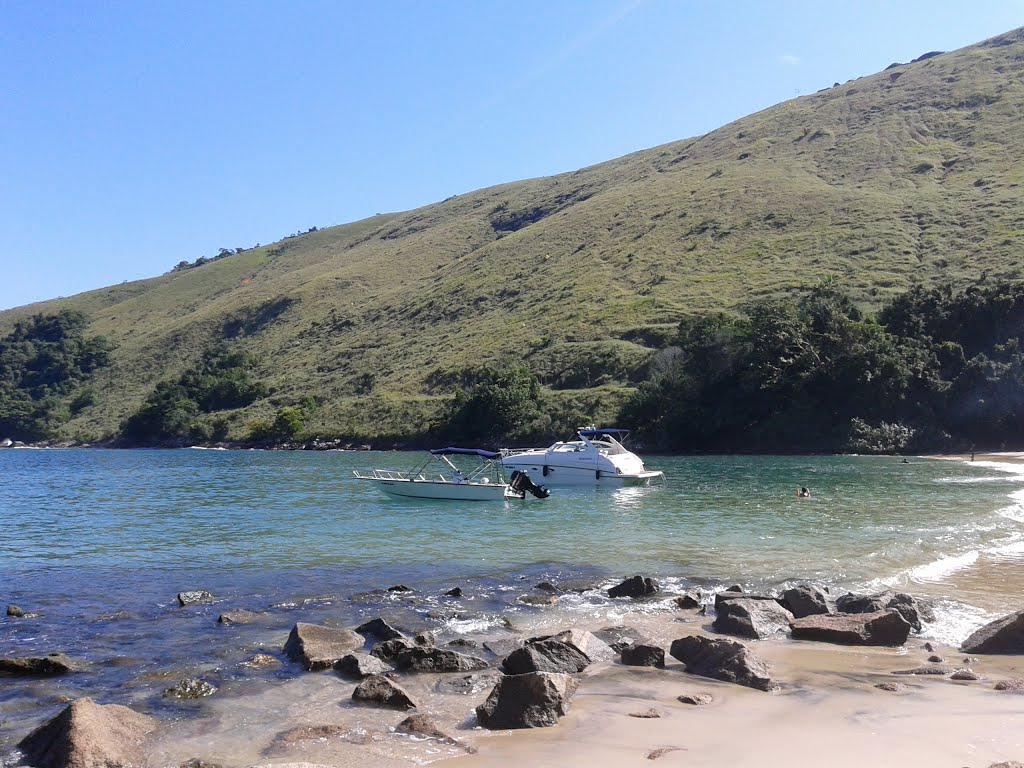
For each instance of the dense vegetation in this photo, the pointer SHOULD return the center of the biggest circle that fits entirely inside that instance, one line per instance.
(178, 410)
(44, 364)
(938, 369)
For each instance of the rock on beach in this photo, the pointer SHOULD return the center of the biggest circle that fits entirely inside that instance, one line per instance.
(532, 700)
(722, 659)
(90, 735)
(885, 628)
(1002, 636)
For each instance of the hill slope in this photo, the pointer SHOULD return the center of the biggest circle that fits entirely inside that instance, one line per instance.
(909, 175)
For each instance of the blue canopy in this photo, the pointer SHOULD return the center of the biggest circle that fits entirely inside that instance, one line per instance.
(465, 452)
(597, 432)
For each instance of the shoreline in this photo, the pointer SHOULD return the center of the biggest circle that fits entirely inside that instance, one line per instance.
(827, 702)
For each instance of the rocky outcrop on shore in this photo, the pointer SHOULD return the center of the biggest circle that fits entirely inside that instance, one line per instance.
(530, 682)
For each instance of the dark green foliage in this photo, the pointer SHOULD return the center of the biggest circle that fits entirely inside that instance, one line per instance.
(42, 361)
(174, 411)
(499, 404)
(286, 427)
(816, 374)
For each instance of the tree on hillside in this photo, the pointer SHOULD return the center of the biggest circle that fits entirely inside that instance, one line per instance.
(497, 406)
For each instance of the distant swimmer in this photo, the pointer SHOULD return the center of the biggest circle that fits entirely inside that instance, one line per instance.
(804, 493)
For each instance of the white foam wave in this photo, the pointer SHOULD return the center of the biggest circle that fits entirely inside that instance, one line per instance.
(943, 567)
(979, 480)
(954, 622)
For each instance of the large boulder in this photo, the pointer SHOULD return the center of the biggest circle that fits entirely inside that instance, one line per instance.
(320, 647)
(902, 602)
(547, 655)
(90, 735)
(722, 659)
(1005, 636)
(533, 700)
(378, 689)
(427, 659)
(190, 597)
(635, 586)
(805, 600)
(756, 619)
(53, 664)
(887, 628)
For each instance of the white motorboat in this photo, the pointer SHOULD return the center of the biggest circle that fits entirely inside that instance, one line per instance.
(436, 477)
(597, 457)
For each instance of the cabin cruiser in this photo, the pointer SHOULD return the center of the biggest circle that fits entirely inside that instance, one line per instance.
(597, 457)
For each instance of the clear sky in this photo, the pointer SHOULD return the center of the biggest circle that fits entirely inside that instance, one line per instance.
(134, 135)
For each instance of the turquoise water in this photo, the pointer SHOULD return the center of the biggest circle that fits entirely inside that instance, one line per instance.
(97, 544)
(247, 513)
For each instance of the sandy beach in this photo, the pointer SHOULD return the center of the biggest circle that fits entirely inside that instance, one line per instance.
(827, 709)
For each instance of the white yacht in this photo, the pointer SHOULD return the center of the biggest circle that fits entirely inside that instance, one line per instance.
(597, 457)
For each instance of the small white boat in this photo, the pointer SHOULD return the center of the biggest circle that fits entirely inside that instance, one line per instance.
(596, 458)
(436, 477)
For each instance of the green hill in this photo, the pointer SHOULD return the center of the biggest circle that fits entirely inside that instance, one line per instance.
(906, 176)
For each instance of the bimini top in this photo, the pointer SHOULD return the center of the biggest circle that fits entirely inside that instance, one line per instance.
(599, 432)
(465, 452)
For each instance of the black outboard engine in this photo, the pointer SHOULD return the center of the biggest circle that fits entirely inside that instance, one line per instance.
(520, 482)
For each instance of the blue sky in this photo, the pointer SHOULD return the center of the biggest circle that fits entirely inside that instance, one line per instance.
(134, 135)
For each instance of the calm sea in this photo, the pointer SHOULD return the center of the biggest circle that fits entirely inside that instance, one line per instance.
(97, 544)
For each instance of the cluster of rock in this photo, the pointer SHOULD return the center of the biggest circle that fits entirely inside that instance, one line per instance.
(534, 679)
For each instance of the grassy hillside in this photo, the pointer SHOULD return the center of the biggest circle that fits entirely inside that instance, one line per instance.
(909, 175)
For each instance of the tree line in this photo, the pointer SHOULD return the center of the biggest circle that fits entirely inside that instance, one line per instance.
(937, 369)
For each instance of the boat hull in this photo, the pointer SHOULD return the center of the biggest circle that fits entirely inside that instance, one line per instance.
(568, 475)
(427, 489)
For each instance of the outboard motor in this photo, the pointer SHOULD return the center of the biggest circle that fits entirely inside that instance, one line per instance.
(520, 482)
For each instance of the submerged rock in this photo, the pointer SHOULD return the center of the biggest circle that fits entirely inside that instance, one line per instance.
(90, 735)
(635, 586)
(191, 688)
(238, 616)
(688, 600)
(424, 727)
(53, 664)
(195, 596)
(379, 689)
(425, 659)
(320, 647)
(532, 700)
